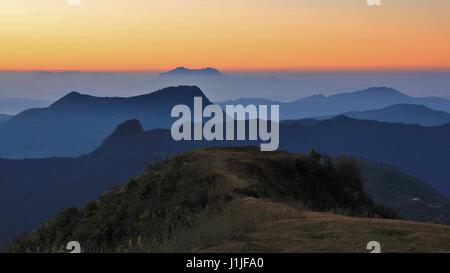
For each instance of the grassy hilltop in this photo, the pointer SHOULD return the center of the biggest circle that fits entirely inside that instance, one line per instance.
(238, 200)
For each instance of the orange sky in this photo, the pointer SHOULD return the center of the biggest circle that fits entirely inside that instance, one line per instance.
(227, 34)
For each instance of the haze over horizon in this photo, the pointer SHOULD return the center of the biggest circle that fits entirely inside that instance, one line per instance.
(280, 86)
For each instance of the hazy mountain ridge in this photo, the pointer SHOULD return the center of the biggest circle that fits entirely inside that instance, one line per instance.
(77, 123)
(404, 113)
(288, 86)
(369, 99)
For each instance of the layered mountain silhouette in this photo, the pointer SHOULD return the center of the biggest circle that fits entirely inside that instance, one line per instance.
(183, 71)
(76, 124)
(404, 113)
(368, 99)
(34, 189)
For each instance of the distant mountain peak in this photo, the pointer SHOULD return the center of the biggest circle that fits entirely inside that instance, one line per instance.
(316, 97)
(124, 131)
(183, 71)
(165, 96)
(190, 90)
(342, 118)
(72, 97)
(129, 127)
(73, 94)
(409, 106)
(382, 90)
(176, 94)
(407, 113)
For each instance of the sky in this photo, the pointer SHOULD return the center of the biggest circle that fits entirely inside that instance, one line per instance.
(232, 35)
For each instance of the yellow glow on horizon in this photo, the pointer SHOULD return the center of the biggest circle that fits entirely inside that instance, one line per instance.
(227, 34)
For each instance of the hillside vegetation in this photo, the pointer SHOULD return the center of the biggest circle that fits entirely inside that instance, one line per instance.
(236, 199)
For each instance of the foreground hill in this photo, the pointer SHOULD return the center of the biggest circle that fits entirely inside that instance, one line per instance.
(76, 124)
(318, 232)
(33, 190)
(171, 197)
(236, 199)
(404, 113)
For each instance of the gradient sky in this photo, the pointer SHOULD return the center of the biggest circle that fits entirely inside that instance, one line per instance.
(227, 34)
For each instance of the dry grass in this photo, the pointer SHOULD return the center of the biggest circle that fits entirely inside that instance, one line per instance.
(331, 233)
(239, 217)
